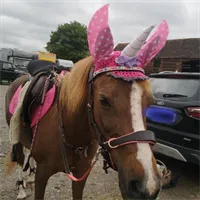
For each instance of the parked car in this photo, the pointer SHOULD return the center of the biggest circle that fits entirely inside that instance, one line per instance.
(8, 72)
(66, 64)
(175, 115)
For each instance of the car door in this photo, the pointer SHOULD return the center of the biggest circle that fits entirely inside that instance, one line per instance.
(7, 71)
(2, 73)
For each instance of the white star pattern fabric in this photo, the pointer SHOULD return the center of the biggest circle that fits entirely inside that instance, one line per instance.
(100, 39)
(115, 63)
(155, 43)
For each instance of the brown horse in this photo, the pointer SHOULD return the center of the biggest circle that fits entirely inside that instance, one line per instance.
(102, 101)
(118, 109)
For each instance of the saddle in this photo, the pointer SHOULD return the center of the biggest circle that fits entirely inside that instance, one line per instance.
(37, 66)
(41, 72)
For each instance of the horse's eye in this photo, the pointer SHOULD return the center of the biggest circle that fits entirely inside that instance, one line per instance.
(104, 101)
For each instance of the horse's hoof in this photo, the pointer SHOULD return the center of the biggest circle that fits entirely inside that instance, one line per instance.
(21, 197)
(22, 194)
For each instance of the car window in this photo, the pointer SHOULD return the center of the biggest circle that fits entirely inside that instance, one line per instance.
(6, 66)
(20, 62)
(185, 87)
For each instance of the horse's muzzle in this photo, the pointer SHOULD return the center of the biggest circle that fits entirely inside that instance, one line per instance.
(136, 190)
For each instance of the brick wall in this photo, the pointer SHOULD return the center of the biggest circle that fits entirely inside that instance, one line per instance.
(166, 64)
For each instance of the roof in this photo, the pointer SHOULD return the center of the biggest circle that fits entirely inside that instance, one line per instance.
(176, 48)
(177, 74)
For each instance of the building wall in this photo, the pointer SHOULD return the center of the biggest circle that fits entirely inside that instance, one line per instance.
(165, 64)
(149, 68)
(171, 64)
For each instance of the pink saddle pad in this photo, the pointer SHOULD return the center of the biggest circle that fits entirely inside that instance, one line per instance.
(35, 115)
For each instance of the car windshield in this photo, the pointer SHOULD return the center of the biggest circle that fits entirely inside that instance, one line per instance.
(175, 88)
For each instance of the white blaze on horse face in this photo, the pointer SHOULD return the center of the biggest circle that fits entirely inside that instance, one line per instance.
(144, 153)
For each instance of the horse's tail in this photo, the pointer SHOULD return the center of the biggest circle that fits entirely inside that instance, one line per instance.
(20, 159)
(9, 164)
(9, 94)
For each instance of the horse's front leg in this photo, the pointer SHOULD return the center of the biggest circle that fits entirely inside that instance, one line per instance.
(43, 173)
(78, 186)
(80, 169)
(77, 189)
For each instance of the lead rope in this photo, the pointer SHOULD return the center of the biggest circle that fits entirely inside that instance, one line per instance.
(65, 160)
(88, 171)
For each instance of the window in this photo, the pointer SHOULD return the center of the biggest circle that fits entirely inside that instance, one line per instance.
(4, 65)
(19, 62)
(186, 87)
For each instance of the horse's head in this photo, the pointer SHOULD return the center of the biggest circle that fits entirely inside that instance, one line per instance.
(118, 97)
(119, 109)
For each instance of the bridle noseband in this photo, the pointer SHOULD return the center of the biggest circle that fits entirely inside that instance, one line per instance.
(113, 143)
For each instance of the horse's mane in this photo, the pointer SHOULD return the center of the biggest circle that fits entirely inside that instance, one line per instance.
(74, 86)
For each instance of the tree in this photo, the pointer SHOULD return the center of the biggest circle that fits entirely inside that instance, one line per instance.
(69, 41)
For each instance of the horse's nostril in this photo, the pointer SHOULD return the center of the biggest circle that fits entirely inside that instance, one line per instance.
(154, 195)
(135, 186)
(137, 190)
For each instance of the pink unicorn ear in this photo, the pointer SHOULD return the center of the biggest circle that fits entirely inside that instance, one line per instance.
(100, 39)
(155, 43)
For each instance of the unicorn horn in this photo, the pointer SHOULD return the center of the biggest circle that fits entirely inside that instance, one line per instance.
(131, 49)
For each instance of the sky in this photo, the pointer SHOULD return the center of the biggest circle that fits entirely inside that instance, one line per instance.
(27, 24)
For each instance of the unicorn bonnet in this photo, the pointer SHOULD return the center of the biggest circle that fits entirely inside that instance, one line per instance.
(128, 64)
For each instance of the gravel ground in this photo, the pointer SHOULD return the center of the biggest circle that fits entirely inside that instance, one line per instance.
(100, 186)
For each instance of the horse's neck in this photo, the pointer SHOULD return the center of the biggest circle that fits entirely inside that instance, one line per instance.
(77, 127)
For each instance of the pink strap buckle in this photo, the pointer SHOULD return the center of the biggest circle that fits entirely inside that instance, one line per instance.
(109, 141)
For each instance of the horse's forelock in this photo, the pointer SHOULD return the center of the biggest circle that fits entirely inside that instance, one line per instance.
(74, 87)
(146, 86)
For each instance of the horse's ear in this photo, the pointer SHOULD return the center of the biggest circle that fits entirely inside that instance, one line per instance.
(100, 38)
(155, 43)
